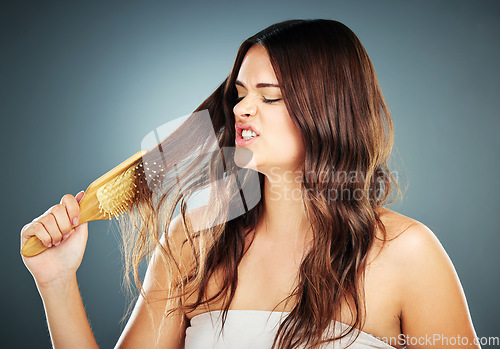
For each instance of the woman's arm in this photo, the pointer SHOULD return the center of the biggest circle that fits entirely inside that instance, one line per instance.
(434, 308)
(69, 327)
(66, 318)
(54, 272)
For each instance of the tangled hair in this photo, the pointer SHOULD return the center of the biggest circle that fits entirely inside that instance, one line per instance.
(332, 95)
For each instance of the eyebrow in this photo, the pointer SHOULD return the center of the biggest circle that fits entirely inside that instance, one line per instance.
(259, 85)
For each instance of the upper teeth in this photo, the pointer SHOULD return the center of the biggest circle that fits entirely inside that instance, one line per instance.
(247, 134)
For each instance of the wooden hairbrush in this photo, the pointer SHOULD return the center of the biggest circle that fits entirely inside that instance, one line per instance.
(106, 197)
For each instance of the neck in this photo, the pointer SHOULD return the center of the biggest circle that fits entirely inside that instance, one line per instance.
(284, 215)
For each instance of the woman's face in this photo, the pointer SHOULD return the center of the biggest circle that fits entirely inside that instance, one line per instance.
(260, 107)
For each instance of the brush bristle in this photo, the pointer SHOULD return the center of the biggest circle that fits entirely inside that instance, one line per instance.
(118, 194)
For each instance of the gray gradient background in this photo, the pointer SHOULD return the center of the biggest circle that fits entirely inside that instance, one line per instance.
(82, 84)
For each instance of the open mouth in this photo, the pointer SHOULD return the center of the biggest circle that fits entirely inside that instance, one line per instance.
(245, 134)
(248, 134)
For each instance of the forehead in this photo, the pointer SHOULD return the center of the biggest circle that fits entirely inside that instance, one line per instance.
(256, 67)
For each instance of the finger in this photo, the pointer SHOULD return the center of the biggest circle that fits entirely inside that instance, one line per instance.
(79, 196)
(72, 208)
(50, 225)
(62, 218)
(68, 234)
(36, 229)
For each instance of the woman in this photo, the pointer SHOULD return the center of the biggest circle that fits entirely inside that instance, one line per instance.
(317, 262)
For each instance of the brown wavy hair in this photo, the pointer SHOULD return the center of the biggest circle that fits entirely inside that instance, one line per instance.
(331, 92)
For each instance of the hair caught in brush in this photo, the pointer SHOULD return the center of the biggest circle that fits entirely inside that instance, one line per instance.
(332, 95)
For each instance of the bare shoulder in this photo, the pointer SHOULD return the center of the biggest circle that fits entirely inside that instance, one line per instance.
(410, 242)
(430, 294)
(182, 234)
(193, 220)
(410, 250)
(422, 264)
(396, 224)
(151, 325)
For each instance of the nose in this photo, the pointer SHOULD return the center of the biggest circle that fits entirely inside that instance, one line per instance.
(245, 109)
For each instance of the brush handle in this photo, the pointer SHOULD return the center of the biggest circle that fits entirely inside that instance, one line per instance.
(32, 247)
(89, 205)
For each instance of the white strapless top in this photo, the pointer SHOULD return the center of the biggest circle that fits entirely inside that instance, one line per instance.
(256, 329)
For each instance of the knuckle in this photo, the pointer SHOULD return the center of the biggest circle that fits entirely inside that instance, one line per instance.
(67, 199)
(39, 231)
(48, 218)
(43, 218)
(58, 209)
(37, 227)
(71, 205)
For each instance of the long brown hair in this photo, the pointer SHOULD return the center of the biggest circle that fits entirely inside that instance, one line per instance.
(332, 95)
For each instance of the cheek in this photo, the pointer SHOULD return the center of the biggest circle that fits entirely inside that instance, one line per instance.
(286, 139)
(295, 141)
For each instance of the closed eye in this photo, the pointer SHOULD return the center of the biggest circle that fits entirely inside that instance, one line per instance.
(264, 99)
(271, 100)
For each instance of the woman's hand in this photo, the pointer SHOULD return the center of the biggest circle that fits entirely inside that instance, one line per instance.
(55, 228)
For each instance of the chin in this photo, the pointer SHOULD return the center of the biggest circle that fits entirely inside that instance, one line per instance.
(244, 158)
